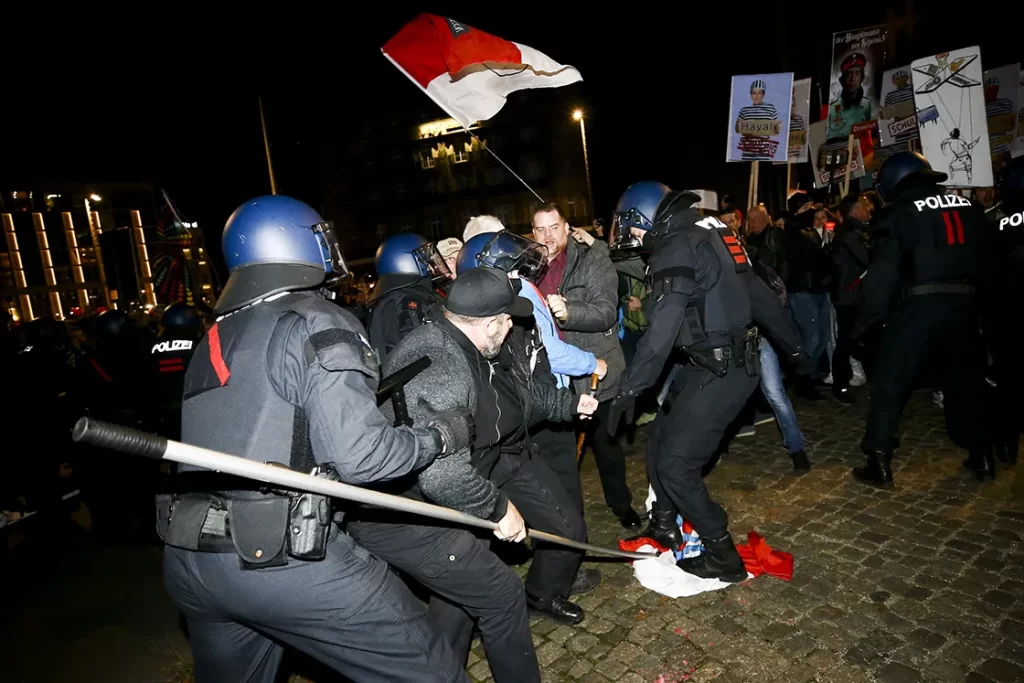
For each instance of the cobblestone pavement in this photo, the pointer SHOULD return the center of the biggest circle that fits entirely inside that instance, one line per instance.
(920, 583)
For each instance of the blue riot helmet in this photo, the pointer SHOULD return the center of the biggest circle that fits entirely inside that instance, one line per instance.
(275, 244)
(112, 323)
(404, 260)
(637, 208)
(902, 169)
(505, 251)
(182, 318)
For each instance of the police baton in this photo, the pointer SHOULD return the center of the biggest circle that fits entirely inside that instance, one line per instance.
(136, 442)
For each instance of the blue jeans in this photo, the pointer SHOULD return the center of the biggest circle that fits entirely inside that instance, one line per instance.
(812, 315)
(771, 386)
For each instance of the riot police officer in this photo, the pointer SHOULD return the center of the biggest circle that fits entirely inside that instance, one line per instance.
(180, 330)
(408, 266)
(1008, 328)
(934, 253)
(703, 299)
(285, 376)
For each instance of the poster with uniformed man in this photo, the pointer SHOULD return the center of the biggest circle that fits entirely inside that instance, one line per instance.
(857, 59)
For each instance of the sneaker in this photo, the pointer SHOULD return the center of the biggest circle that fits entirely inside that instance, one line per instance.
(646, 418)
(746, 431)
(937, 398)
(859, 379)
(828, 380)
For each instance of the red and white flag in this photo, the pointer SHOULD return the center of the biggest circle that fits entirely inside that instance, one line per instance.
(467, 72)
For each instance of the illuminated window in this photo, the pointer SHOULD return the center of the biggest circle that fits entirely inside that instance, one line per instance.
(461, 155)
(427, 160)
(570, 209)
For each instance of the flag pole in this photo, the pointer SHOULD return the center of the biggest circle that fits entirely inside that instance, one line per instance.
(266, 147)
(514, 174)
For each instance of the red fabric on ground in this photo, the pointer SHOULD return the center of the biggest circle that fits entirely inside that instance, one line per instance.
(759, 558)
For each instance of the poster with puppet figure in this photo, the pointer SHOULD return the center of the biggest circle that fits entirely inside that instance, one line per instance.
(1001, 110)
(828, 157)
(857, 58)
(897, 120)
(951, 116)
(1018, 145)
(759, 109)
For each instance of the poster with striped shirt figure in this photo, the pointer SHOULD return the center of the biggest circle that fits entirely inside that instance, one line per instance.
(1001, 110)
(759, 109)
(897, 122)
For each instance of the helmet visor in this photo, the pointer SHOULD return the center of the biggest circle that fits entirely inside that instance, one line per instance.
(510, 252)
(430, 258)
(334, 262)
(621, 234)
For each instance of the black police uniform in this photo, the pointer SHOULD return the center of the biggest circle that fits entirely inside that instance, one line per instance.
(1008, 327)
(169, 359)
(935, 257)
(398, 305)
(291, 380)
(703, 299)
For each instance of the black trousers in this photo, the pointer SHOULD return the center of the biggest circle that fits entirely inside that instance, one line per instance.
(939, 329)
(468, 584)
(686, 435)
(546, 506)
(842, 371)
(348, 611)
(555, 444)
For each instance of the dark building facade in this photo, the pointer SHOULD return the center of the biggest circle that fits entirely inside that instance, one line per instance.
(410, 172)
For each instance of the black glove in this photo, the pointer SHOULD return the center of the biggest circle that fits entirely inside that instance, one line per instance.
(456, 428)
(623, 406)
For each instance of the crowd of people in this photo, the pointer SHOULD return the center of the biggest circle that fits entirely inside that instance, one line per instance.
(540, 346)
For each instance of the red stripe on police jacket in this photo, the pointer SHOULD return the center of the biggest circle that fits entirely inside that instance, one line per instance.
(216, 358)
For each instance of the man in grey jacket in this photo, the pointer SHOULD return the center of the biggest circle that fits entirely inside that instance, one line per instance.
(505, 380)
(582, 290)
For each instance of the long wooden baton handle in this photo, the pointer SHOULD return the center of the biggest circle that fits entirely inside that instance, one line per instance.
(136, 442)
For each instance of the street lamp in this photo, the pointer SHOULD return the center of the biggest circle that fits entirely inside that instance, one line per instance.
(577, 115)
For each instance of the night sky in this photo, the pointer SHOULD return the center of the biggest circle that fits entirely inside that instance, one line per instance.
(183, 113)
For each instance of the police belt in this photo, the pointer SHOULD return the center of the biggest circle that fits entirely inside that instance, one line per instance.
(264, 528)
(940, 288)
(740, 352)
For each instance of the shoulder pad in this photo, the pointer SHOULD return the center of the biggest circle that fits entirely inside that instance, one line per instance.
(336, 340)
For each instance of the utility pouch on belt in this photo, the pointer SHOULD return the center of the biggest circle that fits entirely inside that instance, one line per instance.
(752, 352)
(258, 530)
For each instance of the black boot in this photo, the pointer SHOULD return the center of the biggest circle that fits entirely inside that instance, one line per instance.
(557, 609)
(877, 470)
(720, 560)
(663, 527)
(982, 463)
